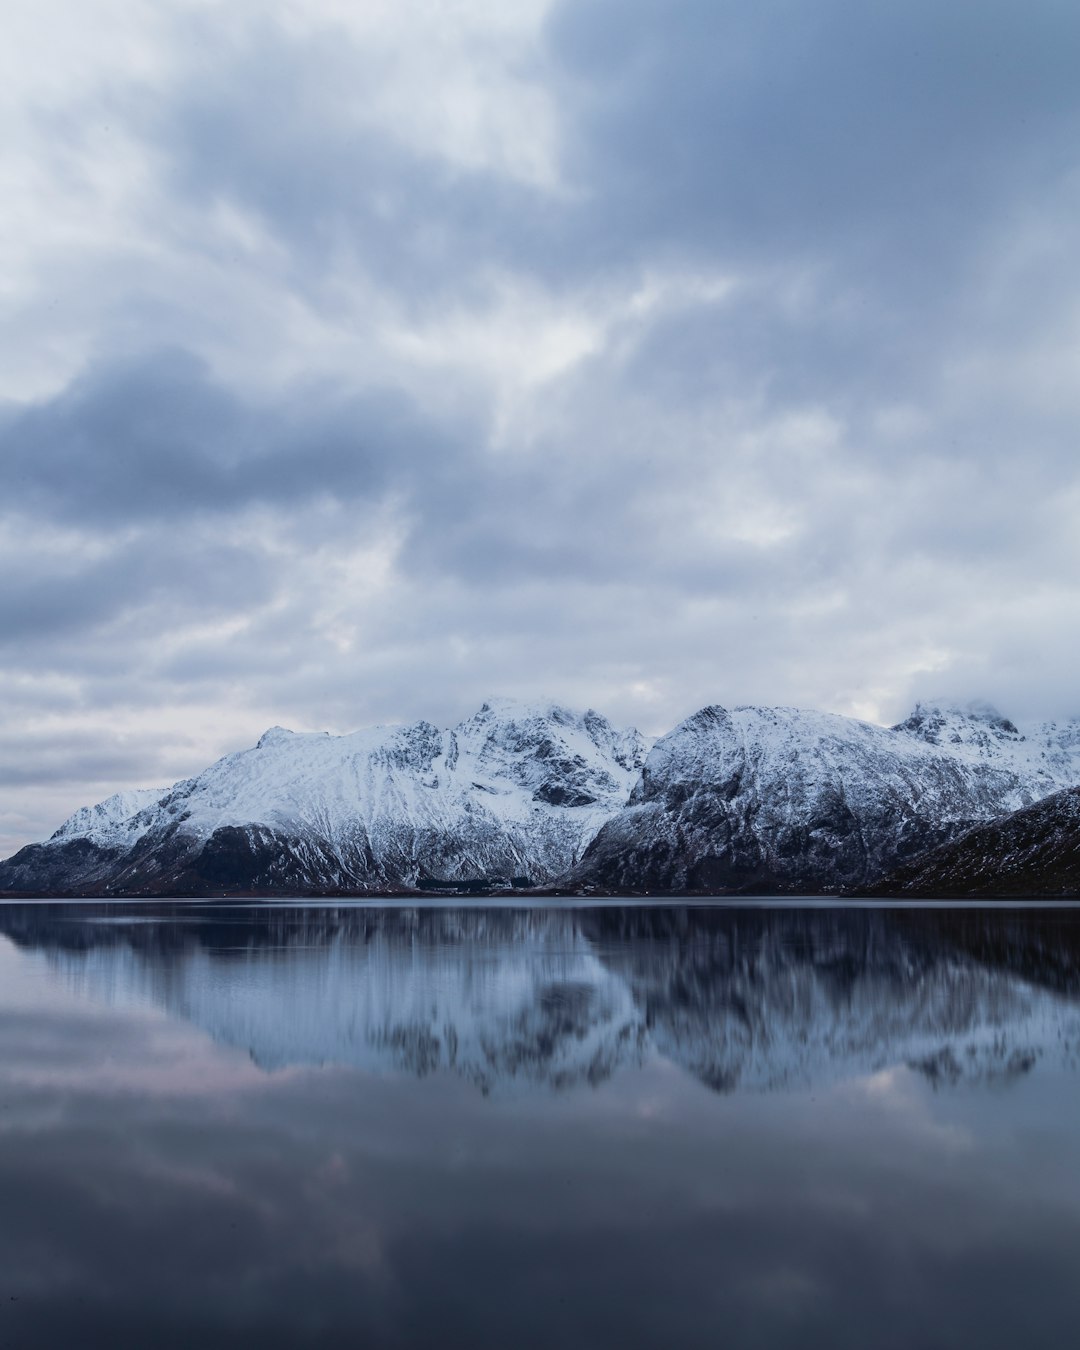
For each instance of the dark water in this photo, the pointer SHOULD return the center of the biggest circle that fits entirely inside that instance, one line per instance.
(574, 1127)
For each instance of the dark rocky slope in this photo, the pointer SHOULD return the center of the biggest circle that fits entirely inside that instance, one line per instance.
(1032, 852)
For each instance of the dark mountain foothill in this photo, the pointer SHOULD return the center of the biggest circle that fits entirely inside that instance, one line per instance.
(1032, 852)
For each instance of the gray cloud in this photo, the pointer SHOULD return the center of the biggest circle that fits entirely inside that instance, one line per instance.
(891, 129)
(161, 438)
(272, 122)
(71, 600)
(326, 404)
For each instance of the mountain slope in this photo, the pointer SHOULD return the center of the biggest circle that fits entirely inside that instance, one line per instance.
(516, 790)
(1032, 852)
(775, 800)
(765, 800)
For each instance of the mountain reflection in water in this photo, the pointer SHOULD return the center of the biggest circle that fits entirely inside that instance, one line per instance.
(296, 1125)
(561, 998)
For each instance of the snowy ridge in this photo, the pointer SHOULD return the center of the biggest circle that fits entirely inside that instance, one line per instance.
(111, 819)
(1046, 754)
(778, 799)
(747, 799)
(516, 791)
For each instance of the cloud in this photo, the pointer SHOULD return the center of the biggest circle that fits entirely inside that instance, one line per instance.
(160, 438)
(364, 360)
(776, 126)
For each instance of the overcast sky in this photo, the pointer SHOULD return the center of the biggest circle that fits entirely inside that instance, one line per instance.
(361, 358)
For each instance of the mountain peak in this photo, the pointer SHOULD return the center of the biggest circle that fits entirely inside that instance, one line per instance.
(958, 724)
(765, 798)
(274, 736)
(524, 710)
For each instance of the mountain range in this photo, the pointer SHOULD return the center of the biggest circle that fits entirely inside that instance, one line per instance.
(747, 800)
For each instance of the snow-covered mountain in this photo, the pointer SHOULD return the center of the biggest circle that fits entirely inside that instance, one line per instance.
(515, 791)
(775, 800)
(767, 800)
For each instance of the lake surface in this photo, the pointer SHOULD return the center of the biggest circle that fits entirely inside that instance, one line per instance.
(631, 1126)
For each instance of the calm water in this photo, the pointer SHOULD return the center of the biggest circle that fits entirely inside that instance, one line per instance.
(615, 1126)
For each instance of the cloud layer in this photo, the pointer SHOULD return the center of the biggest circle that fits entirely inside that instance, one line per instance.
(361, 360)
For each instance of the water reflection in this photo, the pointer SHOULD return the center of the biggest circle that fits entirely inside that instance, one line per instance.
(331, 1127)
(559, 998)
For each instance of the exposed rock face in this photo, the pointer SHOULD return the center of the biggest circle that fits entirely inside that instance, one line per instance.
(771, 800)
(1033, 852)
(515, 791)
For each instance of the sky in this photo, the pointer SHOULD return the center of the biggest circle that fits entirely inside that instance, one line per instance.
(361, 359)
